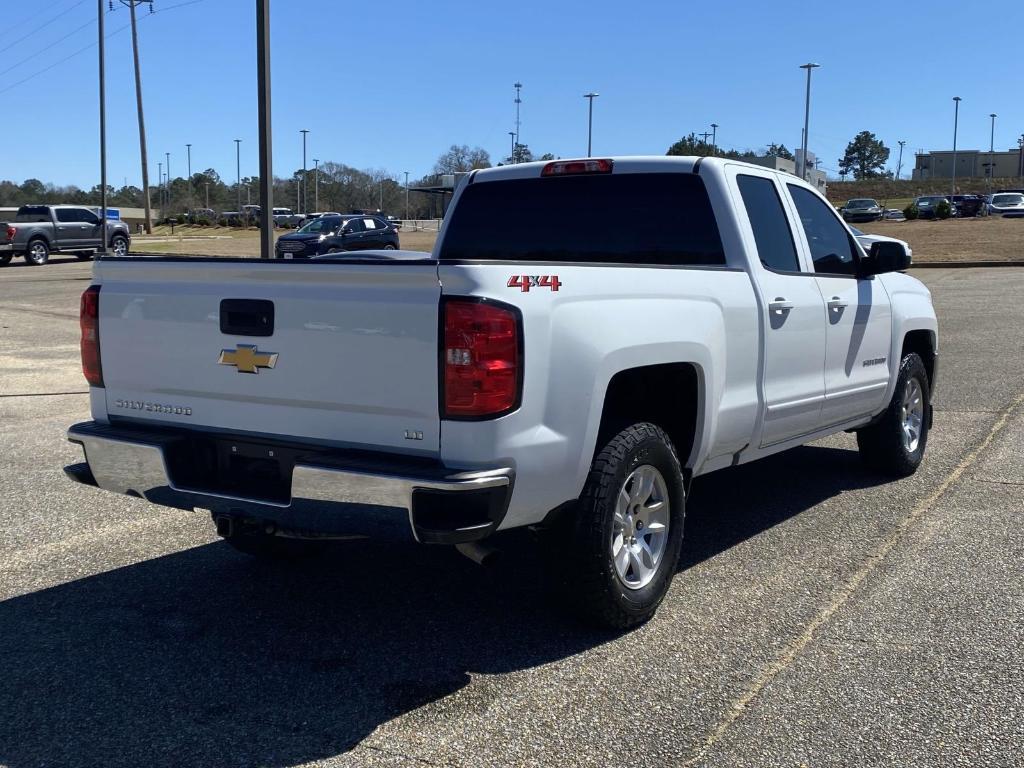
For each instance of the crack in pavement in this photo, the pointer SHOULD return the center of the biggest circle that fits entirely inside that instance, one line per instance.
(871, 563)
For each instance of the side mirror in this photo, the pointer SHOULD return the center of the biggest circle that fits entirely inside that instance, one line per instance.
(886, 256)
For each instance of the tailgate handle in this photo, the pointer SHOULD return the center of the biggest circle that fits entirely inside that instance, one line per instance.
(247, 317)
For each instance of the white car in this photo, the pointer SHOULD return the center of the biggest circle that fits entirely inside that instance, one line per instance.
(866, 241)
(1007, 204)
(699, 313)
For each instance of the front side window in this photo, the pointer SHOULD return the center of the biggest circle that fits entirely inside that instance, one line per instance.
(832, 248)
(767, 218)
(67, 215)
(321, 225)
(88, 217)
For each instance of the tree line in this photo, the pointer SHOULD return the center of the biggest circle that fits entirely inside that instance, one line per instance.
(331, 187)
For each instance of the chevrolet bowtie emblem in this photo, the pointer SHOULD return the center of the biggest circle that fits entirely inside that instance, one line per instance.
(247, 358)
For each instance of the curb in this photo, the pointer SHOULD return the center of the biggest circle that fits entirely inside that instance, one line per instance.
(965, 264)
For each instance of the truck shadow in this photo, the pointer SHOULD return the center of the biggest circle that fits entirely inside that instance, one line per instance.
(205, 657)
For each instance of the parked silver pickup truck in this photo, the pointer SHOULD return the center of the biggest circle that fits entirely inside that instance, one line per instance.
(39, 230)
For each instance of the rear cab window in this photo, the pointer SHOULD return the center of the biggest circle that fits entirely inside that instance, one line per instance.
(662, 219)
(30, 214)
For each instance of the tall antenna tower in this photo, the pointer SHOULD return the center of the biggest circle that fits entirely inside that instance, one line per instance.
(518, 86)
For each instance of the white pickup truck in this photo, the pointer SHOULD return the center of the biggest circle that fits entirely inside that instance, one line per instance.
(587, 337)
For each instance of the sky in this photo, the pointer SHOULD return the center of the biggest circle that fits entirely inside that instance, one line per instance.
(392, 84)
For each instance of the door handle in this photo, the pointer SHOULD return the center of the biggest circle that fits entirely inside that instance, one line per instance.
(780, 305)
(836, 304)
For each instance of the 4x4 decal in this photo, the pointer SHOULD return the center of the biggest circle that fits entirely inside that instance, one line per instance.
(526, 282)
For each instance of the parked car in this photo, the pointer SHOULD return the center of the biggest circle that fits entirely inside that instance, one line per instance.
(505, 382)
(201, 216)
(861, 209)
(333, 233)
(927, 204)
(866, 241)
(39, 230)
(965, 206)
(1007, 204)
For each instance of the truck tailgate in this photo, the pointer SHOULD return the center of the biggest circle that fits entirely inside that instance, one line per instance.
(351, 359)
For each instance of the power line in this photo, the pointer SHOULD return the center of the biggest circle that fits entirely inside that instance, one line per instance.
(82, 50)
(41, 26)
(36, 53)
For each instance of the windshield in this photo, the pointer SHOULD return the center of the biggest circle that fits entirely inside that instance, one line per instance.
(321, 225)
(1007, 199)
(861, 204)
(929, 200)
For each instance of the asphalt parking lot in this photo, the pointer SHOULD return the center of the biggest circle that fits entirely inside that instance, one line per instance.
(823, 616)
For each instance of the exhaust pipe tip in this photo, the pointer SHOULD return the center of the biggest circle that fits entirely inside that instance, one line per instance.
(481, 554)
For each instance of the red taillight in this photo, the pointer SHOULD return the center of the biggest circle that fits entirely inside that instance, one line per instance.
(11, 232)
(89, 318)
(576, 167)
(481, 358)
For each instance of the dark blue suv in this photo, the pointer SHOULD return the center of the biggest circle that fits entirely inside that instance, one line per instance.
(334, 233)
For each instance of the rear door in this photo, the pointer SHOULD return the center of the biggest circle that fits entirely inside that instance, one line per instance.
(794, 322)
(345, 354)
(859, 326)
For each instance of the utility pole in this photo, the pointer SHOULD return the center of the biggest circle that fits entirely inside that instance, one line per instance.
(305, 177)
(168, 169)
(316, 184)
(265, 138)
(103, 132)
(705, 136)
(380, 204)
(714, 139)
(238, 172)
(1020, 143)
(207, 184)
(899, 163)
(590, 118)
(807, 119)
(512, 157)
(407, 195)
(138, 105)
(188, 150)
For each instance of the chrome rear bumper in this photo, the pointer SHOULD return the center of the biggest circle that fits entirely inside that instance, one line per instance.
(330, 492)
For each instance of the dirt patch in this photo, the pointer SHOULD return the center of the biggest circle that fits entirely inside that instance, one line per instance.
(977, 239)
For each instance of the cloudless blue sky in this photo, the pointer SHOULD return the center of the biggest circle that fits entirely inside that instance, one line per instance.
(391, 85)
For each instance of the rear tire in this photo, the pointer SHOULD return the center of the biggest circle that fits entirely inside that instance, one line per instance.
(389, 247)
(895, 444)
(624, 541)
(119, 245)
(38, 252)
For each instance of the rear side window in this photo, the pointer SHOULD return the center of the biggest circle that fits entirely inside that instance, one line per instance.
(634, 218)
(832, 248)
(772, 234)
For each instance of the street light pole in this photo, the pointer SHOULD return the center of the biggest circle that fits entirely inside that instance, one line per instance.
(266, 145)
(207, 194)
(168, 169)
(305, 177)
(956, 119)
(316, 184)
(160, 186)
(238, 172)
(147, 203)
(991, 150)
(103, 131)
(714, 139)
(590, 119)
(407, 195)
(899, 163)
(807, 117)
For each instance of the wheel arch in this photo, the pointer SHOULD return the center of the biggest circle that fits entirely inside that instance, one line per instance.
(670, 395)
